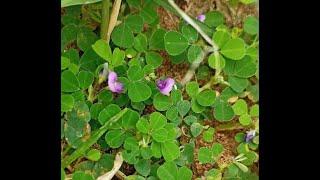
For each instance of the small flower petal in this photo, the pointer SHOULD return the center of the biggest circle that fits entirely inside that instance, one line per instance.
(201, 17)
(165, 86)
(250, 135)
(113, 84)
(112, 77)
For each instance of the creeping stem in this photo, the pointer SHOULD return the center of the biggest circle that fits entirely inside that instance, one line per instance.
(105, 19)
(113, 18)
(194, 25)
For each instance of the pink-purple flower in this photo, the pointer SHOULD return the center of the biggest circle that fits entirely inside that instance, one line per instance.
(201, 17)
(165, 86)
(113, 83)
(250, 135)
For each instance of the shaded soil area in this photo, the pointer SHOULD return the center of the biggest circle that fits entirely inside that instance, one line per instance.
(167, 69)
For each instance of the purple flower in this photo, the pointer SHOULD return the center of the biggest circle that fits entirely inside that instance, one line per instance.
(113, 84)
(201, 17)
(165, 86)
(250, 135)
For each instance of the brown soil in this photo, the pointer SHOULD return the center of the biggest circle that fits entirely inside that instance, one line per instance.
(127, 169)
(167, 69)
(167, 19)
(149, 109)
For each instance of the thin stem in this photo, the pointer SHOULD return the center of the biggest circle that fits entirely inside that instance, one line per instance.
(194, 25)
(206, 86)
(113, 18)
(116, 166)
(189, 75)
(105, 19)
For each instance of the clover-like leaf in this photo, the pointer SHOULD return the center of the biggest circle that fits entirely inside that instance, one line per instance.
(254, 110)
(214, 174)
(105, 96)
(183, 107)
(244, 68)
(216, 149)
(240, 107)
(117, 57)
(190, 33)
(115, 138)
(157, 121)
(206, 97)
(196, 107)
(143, 125)
(65, 62)
(143, 167)
(135, 23)
(156, 149)
(162, 102)
(131, 144)
(157, 39)
(179, 58)
(68, 35)
(176, 96)
(154, 59)
(205, 155)
(94, 155)
(85, 79)
(67, 102)
(221, 38)
(135, 73)
(208, 134)
(251, 25)
(108, 112)
(146, 152)
(196, 129)
(238, 84)
(149, 14)
(184, 173)
(139, 91)
(240, 137)
(85, 38)
(102, 48)
(80, 175)
(130, 118)
(122, 36)
(89, 61)
(248, 1)
(223, 111)
(190, 119)
(82, 111)
(245, 119)
(74, 68)
(160, 135)
(168, 171)
(172, 113)
(214, 18)
(195, 53)
(130, 156)
(175, 43)
(140, 42)
(69, 82)
(170, 151)
(72, 55)
(234, 49)
(192, 88)
(216, 63)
